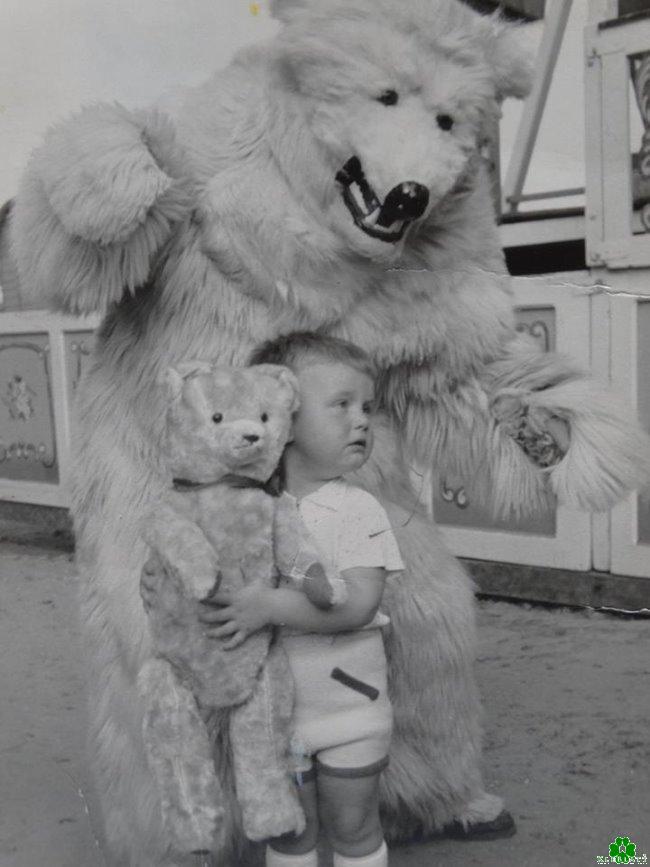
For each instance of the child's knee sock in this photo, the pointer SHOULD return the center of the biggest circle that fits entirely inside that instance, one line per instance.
(375, 859)
(279, 859)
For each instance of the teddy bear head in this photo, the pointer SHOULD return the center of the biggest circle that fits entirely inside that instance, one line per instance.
(227, 420)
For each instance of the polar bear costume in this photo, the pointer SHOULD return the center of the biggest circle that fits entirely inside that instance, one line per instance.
(329, 178)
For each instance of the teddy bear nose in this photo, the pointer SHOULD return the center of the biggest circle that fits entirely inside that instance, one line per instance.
(251, 438)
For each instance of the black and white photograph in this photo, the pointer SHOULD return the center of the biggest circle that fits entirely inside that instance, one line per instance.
(324, 433)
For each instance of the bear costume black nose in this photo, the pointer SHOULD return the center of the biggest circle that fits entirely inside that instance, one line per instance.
(406, 201)
(251, 438)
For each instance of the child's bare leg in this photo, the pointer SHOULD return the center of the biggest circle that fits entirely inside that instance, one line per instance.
(298, 844)
(349, 811)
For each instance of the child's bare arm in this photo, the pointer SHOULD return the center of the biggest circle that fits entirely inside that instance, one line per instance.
(239, 613)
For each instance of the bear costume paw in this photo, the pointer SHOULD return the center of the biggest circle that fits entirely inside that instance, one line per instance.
(99, 199)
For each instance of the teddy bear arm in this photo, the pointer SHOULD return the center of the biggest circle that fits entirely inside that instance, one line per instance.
(182, 549)
(98, 199)
(298, 560)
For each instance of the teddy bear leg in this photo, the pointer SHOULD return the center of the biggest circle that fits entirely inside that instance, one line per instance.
(179, 754)
(259, 736)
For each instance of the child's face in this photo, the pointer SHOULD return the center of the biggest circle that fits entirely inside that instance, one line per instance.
(332, 430)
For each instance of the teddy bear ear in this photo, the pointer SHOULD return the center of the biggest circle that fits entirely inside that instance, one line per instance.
(194, 367)
(286, 379)
(173, 382)
(174, 377)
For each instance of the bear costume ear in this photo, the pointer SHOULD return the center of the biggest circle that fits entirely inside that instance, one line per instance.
(286, 379)
(286, 10)
(174, 377)
(511, 56)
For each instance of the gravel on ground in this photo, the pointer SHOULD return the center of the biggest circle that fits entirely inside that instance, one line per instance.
(566, 701)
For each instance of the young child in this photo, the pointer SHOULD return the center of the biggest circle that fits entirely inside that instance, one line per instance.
(342, 714)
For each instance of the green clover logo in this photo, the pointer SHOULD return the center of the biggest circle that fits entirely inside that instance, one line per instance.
(622, 851)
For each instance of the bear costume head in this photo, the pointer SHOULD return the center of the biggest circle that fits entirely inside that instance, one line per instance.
(398, 97)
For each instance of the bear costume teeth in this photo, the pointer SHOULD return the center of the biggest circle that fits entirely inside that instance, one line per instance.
(388, 221)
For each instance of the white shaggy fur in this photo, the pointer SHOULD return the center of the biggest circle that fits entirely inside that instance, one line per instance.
(203, 235)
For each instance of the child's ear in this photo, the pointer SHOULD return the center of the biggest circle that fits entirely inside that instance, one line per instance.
(294, 397)
(291, 431)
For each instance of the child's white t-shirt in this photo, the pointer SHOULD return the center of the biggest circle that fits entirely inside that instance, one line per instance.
(350, 528)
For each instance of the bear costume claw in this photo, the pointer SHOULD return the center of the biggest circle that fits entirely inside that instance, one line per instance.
(503, 825)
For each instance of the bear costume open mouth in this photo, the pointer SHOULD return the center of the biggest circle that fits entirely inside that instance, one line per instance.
(388, 221)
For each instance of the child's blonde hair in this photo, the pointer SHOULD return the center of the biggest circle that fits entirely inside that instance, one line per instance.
(294, 349)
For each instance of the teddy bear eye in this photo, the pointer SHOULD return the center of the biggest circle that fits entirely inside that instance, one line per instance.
(217, 417)
(445, 121)
(388, 97)
(265, 416)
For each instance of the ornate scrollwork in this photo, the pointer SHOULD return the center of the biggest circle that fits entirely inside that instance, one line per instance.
(26, 452)
(457, 496)
(641, 79)
(640, 71)
(19, 399)
(538, 330)
(79, 350)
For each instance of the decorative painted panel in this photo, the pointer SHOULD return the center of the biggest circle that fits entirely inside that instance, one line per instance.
(617, 133)
(640, 141)
(643, 405)
(27, 437)
(451, 505)
(78, 351)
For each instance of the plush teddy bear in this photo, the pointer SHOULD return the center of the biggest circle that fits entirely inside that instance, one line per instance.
(224, 522)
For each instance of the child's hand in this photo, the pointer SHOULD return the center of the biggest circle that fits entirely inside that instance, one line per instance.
(240, 613)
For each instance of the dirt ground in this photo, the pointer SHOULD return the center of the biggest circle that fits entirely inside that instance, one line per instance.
(567, 707)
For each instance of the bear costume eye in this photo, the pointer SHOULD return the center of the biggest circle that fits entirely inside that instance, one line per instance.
(265, 416)
(388, 97)
(217, 417)
(445, 121)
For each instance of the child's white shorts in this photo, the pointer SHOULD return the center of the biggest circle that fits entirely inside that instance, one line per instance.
(342, 715)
